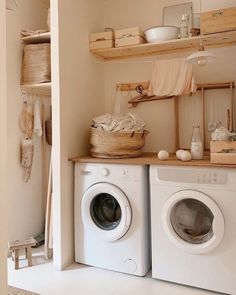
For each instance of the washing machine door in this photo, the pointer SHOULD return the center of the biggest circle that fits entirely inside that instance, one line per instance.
(193, 221)
(106, 211)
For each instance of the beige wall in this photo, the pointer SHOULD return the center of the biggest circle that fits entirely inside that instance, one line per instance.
(212, 4)
(159, 115)
(3, 151)
(84, 87)
(78, 96)
(25, 200)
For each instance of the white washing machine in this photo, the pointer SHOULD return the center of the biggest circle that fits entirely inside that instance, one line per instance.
(111, 217)
(193, 221)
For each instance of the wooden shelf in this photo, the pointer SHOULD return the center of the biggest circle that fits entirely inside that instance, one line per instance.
(172, 46)
(39, 38)
(43, 89)
(151, 159)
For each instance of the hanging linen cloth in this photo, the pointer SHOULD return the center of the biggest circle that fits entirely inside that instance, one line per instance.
(37, 118)
(128, 122)
(173, 77)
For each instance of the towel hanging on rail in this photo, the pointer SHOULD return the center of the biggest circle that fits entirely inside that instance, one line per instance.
(173, 77)
(37, 119)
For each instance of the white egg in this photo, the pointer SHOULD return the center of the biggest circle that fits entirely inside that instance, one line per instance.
(186, 156)
(163, 155)
(178, 154)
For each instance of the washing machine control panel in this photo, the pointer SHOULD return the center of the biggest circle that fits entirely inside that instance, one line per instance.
(122, 173)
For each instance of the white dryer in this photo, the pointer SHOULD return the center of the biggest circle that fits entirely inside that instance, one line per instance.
(111, 217)
(193, 221)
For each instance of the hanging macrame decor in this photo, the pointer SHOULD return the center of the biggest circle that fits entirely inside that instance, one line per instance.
(26, 155)
(26, 123)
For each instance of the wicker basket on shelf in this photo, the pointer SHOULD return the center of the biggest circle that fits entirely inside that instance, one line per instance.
(112, 145)
(36, 64)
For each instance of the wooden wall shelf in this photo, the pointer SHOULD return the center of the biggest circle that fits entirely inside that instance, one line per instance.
(38, 38)
(151, 159)
(172, 46)
(43, 89)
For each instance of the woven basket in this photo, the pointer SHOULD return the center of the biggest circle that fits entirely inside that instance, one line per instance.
(112, 145)
(36, 64)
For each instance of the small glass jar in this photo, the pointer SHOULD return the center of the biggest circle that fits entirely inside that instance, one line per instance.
(196, 144)
(184, 26)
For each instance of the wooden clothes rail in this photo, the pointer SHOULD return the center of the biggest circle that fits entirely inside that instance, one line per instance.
(145, 84)
(203, 86)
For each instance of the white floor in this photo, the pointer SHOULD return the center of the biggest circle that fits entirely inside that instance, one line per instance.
(85, 280)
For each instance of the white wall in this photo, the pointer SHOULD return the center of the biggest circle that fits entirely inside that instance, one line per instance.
(25, 200)
(78, 96)
(3, 151)
(159, 116)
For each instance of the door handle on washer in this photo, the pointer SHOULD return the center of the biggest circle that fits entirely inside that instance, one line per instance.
(128, 216)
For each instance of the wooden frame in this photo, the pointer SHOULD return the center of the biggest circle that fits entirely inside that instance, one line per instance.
(203, 86)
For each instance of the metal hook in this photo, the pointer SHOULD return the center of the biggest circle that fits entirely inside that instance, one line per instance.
(139, 89)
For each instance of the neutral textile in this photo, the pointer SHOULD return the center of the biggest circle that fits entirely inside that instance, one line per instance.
(128, 122)
(37, 119)
(173, 77)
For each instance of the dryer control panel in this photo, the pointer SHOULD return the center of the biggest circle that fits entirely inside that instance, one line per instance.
(214, 177)
(194, 176)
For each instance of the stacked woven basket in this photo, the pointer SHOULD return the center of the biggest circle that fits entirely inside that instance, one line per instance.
(122, 144)
(36, 64)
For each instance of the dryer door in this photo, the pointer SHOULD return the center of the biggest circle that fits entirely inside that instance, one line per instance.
(106, 211)
(193, 221)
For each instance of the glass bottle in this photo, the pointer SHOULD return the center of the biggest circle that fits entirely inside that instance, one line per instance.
(184, 26)
(196, 144)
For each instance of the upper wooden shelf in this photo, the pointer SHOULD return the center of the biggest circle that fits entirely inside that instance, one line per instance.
(165, 47)
(43, 89)
(38, 38)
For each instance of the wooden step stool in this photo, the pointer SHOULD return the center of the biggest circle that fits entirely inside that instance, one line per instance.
(16, 246)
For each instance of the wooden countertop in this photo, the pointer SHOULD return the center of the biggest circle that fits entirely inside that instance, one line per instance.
(150, 159)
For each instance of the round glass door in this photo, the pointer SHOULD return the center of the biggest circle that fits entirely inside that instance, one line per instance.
(106, 211)
(193, 221)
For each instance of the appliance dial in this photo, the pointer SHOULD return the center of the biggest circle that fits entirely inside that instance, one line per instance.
(104, 172)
